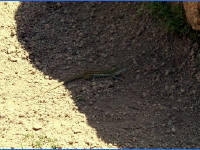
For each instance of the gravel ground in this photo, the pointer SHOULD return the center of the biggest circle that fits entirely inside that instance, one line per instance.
(155, 105)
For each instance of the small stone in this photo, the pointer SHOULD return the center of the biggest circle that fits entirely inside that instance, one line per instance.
(37, 63)
(179, 100)
(88, 143)
(157, 78)
(194, 91)
(166, 87)
(167, 72)
(93, 83)
(144, 94)
(12, 59)
(33, 72)
(173, 87)
(47, 26)
(91, 103)
(170, 121)
(11, 50)
(91, 60)
(139, 33)
(143, 52)
(59, 147)
(101, 85)
(135, 61)
(46, 77)
(173, 129)
(110, 85)
(21, 115)
(37, 127)
(70, 142)
(84, 88)
(77, 131)
(182, 90)
(104, 55)
(24, 57)
(20, 122)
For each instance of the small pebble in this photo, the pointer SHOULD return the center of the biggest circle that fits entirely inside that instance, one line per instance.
(46, 77)
(104, 55)
(10, 50)
(37, 127)
(166, 87)
(179, 100)
(173, 87)
(194, 91)
(173, 129)
(84, 88)
(167, 72)
(20, 122)
(37, 63)
(21, 115)
(12, 59)
(182, 90)
(70, 142)
(144, 94)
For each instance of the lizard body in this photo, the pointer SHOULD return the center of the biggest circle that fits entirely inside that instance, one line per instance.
(88, 75)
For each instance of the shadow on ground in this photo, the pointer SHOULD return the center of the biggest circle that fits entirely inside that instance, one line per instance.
(153, 107)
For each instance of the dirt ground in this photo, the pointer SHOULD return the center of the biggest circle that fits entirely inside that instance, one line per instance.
(155, 105)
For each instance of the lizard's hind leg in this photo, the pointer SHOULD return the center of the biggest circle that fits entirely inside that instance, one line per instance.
(117, 78)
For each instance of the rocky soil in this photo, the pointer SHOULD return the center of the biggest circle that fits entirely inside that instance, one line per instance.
(154, 105)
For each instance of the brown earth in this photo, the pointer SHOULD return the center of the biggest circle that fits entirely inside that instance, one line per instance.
(155, 105)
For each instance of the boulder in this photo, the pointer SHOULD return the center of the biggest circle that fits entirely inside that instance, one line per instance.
(192, 11)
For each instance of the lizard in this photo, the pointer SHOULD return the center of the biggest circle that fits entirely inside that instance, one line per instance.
(114, 72)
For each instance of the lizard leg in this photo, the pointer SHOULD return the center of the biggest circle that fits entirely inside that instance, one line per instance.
(117, 78)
